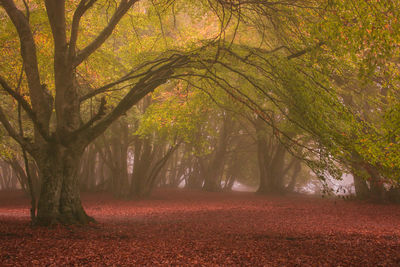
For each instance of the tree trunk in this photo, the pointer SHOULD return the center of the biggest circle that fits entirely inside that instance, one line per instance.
(212, 179)
(276, 169)
(296, 171)
(377, 190)
(360, 187)
(195, 177)
(59, 200)
(263, 157)
(216, 164)
(20, 173)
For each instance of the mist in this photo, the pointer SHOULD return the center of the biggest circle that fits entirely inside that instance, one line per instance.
(199, 133)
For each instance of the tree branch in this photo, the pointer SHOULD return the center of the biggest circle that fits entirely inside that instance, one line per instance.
(56, 14)
(13, 133)
(28, 53)
(105, 33)
(155, 170)
(100, 113)
(144, 86)
(83, 6)
(128, 77)
(25, 105)
(265, 51)
(28, 48)
(304, 51)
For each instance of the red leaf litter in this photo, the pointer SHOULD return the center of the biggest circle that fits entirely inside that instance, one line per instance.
(189, 228)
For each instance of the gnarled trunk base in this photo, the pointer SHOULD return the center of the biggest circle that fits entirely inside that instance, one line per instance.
(59, 200)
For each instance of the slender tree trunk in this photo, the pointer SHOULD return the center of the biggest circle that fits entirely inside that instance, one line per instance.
(215, 168)
(20, 173)
(277, 169)
(263, 157)
(2, 184)
(296, 171)
(263, 165)
(195, 178)
(83, 171)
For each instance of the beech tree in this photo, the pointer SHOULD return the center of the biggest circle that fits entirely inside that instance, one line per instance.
(58, 151)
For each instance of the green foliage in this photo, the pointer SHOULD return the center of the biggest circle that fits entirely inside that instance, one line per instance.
(241, 61)
(366, 31)
(178, 114)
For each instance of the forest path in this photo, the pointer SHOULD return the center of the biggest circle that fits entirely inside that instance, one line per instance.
(176, 227)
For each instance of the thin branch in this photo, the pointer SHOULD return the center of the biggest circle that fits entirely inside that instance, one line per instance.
(24, 154)
(28, 13)
(16, 96)
(105, 33)
(305, 51)
(13, 133)
(161, 23)
(100, 113)
(25, 105)
(83, 6)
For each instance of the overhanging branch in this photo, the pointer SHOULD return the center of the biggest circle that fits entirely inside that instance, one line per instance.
(25, 105)
(129, 76)
(145, 85)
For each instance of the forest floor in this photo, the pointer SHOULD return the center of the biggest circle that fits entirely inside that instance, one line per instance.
(195, 228)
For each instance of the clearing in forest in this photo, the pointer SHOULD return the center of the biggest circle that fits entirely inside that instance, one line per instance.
(196, 228)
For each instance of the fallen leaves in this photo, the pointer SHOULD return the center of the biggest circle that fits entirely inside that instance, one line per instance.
(196, 228)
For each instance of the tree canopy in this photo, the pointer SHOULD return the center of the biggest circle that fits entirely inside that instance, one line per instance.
(322, 75)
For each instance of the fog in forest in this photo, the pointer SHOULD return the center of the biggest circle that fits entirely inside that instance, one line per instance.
(199, 133)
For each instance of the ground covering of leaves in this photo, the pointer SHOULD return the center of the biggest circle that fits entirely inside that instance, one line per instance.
(196, 228)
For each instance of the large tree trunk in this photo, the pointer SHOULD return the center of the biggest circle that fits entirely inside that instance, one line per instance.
(377, 190)
(212, 178)
(361, 170)
(59, 200)
(271, 160)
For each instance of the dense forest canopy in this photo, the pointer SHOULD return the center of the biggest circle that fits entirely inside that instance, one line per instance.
(201, 92)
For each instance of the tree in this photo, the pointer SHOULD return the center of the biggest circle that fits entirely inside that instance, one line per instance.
(57, 151)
